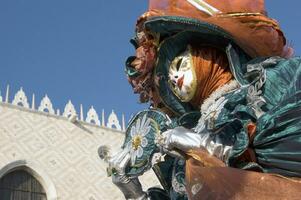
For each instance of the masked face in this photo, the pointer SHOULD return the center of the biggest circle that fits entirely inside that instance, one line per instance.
(182, 78)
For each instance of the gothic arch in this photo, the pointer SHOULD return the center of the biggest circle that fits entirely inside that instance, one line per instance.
(36, 172)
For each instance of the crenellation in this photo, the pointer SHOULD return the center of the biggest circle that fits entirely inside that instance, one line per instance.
(20, 99)
(33, 102)
(7, 94)
(69, 110)
(92, 117)
(113, 121)
(46, 105)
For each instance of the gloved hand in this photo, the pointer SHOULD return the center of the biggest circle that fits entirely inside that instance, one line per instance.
(130, 187)
(180, 138)
(184, 139)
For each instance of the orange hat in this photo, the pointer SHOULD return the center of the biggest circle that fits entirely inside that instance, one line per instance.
(246, 21)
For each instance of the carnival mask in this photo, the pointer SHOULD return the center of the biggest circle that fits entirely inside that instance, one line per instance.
(182, 77)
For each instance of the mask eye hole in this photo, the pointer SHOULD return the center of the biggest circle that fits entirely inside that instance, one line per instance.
(179, 63)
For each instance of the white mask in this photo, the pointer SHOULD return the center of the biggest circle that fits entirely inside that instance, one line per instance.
(182, 77)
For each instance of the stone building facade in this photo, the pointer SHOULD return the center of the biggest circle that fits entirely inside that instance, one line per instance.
(60, 150)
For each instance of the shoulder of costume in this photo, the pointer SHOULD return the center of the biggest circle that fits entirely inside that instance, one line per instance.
(283, 80)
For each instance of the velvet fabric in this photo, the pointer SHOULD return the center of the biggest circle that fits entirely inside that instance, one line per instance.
(276, 144)
(277, 141)
(212, 71)
(246, 21)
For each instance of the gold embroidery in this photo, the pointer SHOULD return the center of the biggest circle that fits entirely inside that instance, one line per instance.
(239, 14)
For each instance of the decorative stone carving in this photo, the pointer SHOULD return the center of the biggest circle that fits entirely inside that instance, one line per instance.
(123, 123)
(7, 94)
(1, 99)
(46, 105)
(113, 121)
(33, 102)
(20, 99)
(81, 113)
(103, 118)
(69, 110)
(92, 117)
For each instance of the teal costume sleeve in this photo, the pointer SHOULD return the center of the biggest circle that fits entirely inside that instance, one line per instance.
(277, 144)
(278, 140)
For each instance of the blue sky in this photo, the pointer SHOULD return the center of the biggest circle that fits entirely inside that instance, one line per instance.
(75, 49)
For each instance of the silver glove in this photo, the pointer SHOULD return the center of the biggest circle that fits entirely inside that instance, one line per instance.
(184, 139)
(130, 187)
(180, 138)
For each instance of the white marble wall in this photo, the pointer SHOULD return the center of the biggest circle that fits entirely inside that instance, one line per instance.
(62, 152)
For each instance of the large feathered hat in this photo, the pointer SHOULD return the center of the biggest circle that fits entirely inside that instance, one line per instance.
(240, 28)
(246, 21)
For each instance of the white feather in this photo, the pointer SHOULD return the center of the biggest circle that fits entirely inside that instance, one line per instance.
(205, 7)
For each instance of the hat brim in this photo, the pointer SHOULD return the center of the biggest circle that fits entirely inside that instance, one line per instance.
(178, 33)
(169, 25)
